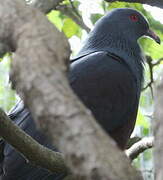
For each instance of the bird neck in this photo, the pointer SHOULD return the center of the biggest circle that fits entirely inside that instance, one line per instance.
(111, 42)
(128, 50)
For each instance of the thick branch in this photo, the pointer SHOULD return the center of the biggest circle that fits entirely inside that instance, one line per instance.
(158, 129)
(158, 3)
(139, 147)
(44, 6)
(39, 75)
(33, 151)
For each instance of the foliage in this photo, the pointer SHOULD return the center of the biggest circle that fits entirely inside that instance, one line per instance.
(64, 24)
(7, 95)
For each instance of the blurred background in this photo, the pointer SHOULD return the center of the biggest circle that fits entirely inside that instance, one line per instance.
(76, 18)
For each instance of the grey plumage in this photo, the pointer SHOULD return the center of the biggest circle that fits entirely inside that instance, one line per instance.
(107, 74)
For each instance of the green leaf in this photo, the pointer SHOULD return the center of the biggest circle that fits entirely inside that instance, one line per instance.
(95, 17)
(76, 4)
(70, 28)
(123, 5)
(141, 120)
(54, 17)
(145, 131)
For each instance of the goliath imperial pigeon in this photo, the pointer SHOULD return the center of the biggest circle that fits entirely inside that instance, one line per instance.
(107, 74)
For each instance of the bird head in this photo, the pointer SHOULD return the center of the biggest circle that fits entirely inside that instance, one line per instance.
(128, 23)
(118, 32)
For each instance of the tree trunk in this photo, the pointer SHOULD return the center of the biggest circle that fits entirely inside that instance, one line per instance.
(158, 130)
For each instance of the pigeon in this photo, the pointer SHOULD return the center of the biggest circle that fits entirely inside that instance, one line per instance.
(107, 73)
(13, 166)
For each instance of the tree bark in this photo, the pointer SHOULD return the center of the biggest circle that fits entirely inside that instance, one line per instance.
(139, 147)
(45, 6)
(158, 130)
(39, 76)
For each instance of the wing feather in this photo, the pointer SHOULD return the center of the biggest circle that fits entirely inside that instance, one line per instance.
(106, 86)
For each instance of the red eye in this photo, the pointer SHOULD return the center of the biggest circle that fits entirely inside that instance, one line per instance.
(134, 18)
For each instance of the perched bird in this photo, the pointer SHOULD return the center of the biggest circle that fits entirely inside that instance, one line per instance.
(107, 74)
(13, 165)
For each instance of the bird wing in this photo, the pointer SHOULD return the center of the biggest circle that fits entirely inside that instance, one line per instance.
(106, 86)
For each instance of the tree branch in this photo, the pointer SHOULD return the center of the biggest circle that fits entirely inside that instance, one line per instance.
(39, 75)
(74, 9)
(158, 3)
(132, 141)
(34, 152)
(68, 11)
(151, 67)
(139, 147)
(44, 6)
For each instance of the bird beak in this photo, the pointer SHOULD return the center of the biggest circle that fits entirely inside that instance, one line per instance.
(152, 35)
